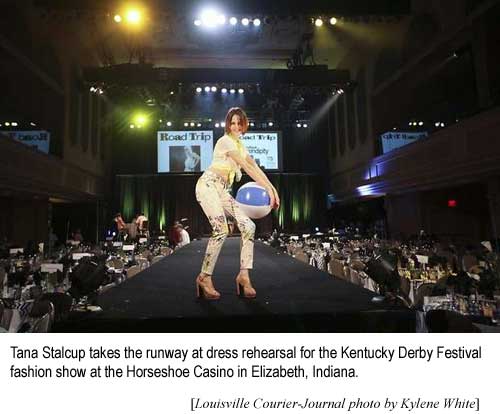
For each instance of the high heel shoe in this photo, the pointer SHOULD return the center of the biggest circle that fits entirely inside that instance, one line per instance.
(244, 287)
(205, 288)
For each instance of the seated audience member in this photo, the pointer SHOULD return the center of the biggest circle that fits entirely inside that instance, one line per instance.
(141, 224)
(77, 235)
(121, 227)
(174, 235)
(184, 236)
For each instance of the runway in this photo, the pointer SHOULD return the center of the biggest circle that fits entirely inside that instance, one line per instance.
(291, 297)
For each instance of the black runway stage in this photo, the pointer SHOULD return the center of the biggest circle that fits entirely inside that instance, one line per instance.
(291, 297)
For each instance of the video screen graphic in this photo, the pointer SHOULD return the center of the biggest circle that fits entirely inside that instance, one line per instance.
(184, 151)
(264, 148)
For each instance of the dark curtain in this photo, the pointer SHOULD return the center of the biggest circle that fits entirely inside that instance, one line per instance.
(166, 198)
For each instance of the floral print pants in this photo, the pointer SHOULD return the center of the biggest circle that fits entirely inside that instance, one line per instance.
(216, 201)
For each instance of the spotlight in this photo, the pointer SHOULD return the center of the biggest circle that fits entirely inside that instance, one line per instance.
(256, 22)
(318, 22)
(198, 90)
(207, 88)
(197, 22)
(221, 19)
(333, 21)
(240, 90)
(224, 90)
(169, 123)
(270, 124)
(133, 16)
(117, 18)
(186, 124)
(233, 21)
(245, 21)
(191, 124)
(214, 89)
(209, 17)
(217, 125)
(232, 91)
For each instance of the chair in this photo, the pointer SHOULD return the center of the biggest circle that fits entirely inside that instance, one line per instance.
(41, 317)
(301, 256)
(133, 270)
(469, 261)
(423, 290)
(337, 268)
(156, 259)
(166, 251)
(405, 287)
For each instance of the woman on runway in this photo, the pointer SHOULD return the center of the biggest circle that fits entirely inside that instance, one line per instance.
(212, 192)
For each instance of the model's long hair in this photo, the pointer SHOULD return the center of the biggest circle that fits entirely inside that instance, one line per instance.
(243, 117)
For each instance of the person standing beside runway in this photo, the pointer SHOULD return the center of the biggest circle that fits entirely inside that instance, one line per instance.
(212, 192)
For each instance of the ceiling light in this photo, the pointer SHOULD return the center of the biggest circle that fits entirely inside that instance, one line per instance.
(191, 124)
(14, 124)
(245, 21)
(333, 21)
(224, 90)
(133, 16)
(198, 125)
(420, 123)
(299, 125)
(305, 125)
(233, 21)
(117, 18)
(221, 19)
(198, 90)
(318, 22)
(232, 91)
(186, 124)
(197, 22)
(240, 90)
(256, 22)
(169, 123)
(252, 124)
(209, 17)
(222, 124)
(214, 89)
(270, 124)
(217, 125)
(207, 88)
(132, 126)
